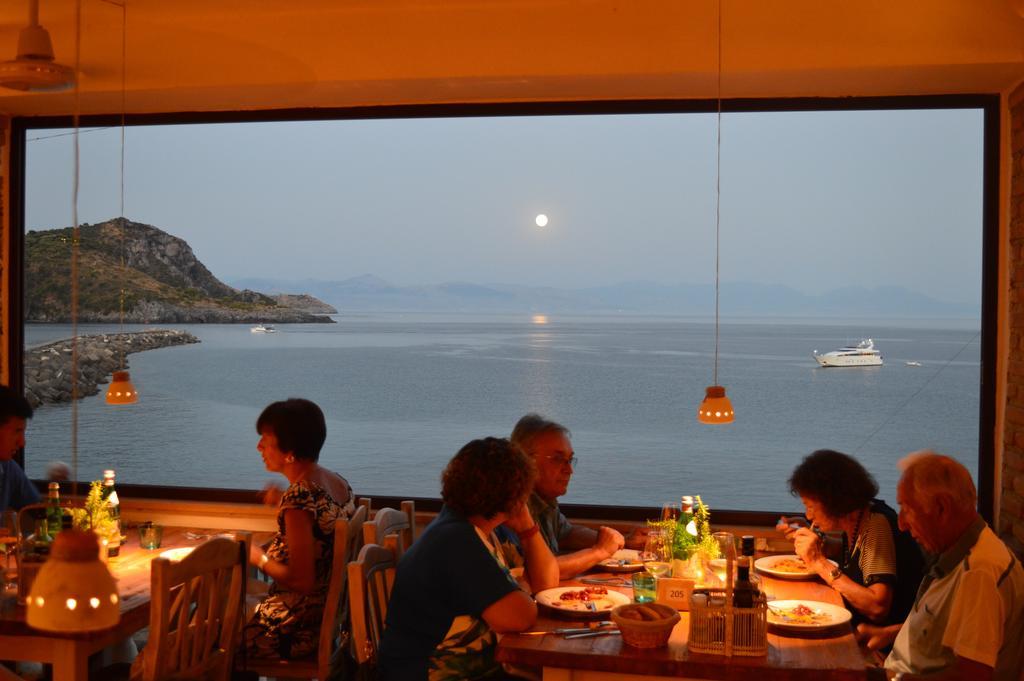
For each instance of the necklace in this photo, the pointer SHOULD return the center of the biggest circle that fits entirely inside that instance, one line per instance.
(856, 538)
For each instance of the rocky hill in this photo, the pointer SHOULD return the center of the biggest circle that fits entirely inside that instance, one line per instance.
(163, 281)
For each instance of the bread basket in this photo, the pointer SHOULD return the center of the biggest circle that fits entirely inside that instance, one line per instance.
(646, 633)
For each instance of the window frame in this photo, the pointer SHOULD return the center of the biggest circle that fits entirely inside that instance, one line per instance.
(989, 104)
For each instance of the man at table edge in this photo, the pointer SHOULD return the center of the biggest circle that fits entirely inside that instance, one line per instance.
(15, 489)
(576, 547)
(968, 619)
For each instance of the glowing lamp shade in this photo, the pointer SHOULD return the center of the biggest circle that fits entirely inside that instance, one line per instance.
(716, 407)
(74, 591)
(121, 390)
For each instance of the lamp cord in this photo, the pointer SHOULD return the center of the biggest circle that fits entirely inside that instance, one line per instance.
(718, 180)
(74, 252)
(124, 107)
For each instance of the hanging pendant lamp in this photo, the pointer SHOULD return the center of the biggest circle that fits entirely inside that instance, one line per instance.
(715, 407)
(121, 390)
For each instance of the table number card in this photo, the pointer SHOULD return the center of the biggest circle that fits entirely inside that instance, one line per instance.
(675, 591)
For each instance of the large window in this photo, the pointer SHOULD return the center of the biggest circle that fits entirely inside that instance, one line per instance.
(457, 312)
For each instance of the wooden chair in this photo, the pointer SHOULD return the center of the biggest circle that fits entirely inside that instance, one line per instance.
(371, 579)
(194, 617)
(390, 521)
(364, 502)
(348, 539)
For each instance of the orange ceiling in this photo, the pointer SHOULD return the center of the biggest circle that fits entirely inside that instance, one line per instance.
(208, 55)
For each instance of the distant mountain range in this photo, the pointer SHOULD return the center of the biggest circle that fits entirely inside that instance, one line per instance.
(162, 281)
(370, 293)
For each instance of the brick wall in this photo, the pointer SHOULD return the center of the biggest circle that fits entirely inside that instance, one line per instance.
(1011, 516)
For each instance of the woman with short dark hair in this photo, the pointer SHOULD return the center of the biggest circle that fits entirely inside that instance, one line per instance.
(287, 623)
(879, 572)
(454, 591)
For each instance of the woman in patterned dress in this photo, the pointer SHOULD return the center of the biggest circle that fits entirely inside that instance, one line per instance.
(286, 623)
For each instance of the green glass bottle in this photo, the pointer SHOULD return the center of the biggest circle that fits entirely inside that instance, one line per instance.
(54, 514)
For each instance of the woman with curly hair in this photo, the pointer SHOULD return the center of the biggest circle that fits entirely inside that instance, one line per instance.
(454, 591)
(881, 567)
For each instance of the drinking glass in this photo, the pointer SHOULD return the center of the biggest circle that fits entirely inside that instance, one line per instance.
(670, 511)
(150, 535)
(644, 587)
(9, 546)
(718, 566)
(657, 554)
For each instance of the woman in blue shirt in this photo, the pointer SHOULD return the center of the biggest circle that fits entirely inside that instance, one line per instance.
(454, 592)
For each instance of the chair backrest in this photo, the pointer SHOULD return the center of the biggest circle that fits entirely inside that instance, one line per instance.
(194, 618)
(390, 521)
(371, 577)
(347, 542)
(364, 501)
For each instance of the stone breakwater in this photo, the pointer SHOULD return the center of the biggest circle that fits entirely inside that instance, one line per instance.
(48, 367)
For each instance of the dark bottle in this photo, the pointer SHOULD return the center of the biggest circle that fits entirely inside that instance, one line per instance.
(747, 549)
(744, 593)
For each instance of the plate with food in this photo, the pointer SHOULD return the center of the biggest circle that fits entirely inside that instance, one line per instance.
(582, 601)
(623, 560)
(785, 567)
(806, 615)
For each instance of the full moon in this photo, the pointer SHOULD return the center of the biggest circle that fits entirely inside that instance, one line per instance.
(542, 220)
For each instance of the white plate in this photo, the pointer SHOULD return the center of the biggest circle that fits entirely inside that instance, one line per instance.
(825, 615)
(604, 603)
(769, 566)
(623, 560)
(176, 554)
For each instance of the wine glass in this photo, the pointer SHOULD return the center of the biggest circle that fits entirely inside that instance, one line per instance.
(670, 511)
(9, 548)
(718, 567)
(657, 554)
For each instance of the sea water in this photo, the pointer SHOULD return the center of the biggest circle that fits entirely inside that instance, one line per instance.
(402, 393)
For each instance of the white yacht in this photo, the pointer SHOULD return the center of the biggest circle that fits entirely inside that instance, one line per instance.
(263, 328)
(861, 355)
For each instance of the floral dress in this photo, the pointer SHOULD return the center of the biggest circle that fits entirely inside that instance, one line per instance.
(286, 624)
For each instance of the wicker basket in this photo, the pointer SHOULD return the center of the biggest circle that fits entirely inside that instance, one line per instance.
(710, 631)
(647, 633)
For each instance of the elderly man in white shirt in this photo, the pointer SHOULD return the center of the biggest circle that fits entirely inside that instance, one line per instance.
(968, 620)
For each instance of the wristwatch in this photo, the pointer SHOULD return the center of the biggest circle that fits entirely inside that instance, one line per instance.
(835, 574)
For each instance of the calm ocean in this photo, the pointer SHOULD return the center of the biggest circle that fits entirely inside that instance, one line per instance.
(402, 392)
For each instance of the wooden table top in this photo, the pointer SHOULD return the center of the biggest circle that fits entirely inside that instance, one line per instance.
(131, 569)
(832, 656)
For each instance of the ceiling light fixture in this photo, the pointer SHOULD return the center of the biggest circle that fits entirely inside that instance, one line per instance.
(34, 68)
(716, 407)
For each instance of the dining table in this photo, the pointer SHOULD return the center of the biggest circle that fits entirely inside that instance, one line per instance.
(69, 653)
(830, 654)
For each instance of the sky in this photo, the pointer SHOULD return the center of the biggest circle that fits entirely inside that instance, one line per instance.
(811, 200)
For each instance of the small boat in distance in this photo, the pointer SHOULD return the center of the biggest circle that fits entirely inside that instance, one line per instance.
(263, 328)
(913, 364)
(861, 355)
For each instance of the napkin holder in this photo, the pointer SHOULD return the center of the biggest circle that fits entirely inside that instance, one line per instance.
(717, 627)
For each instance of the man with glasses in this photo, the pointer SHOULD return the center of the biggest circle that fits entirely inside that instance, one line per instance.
(576, 547)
